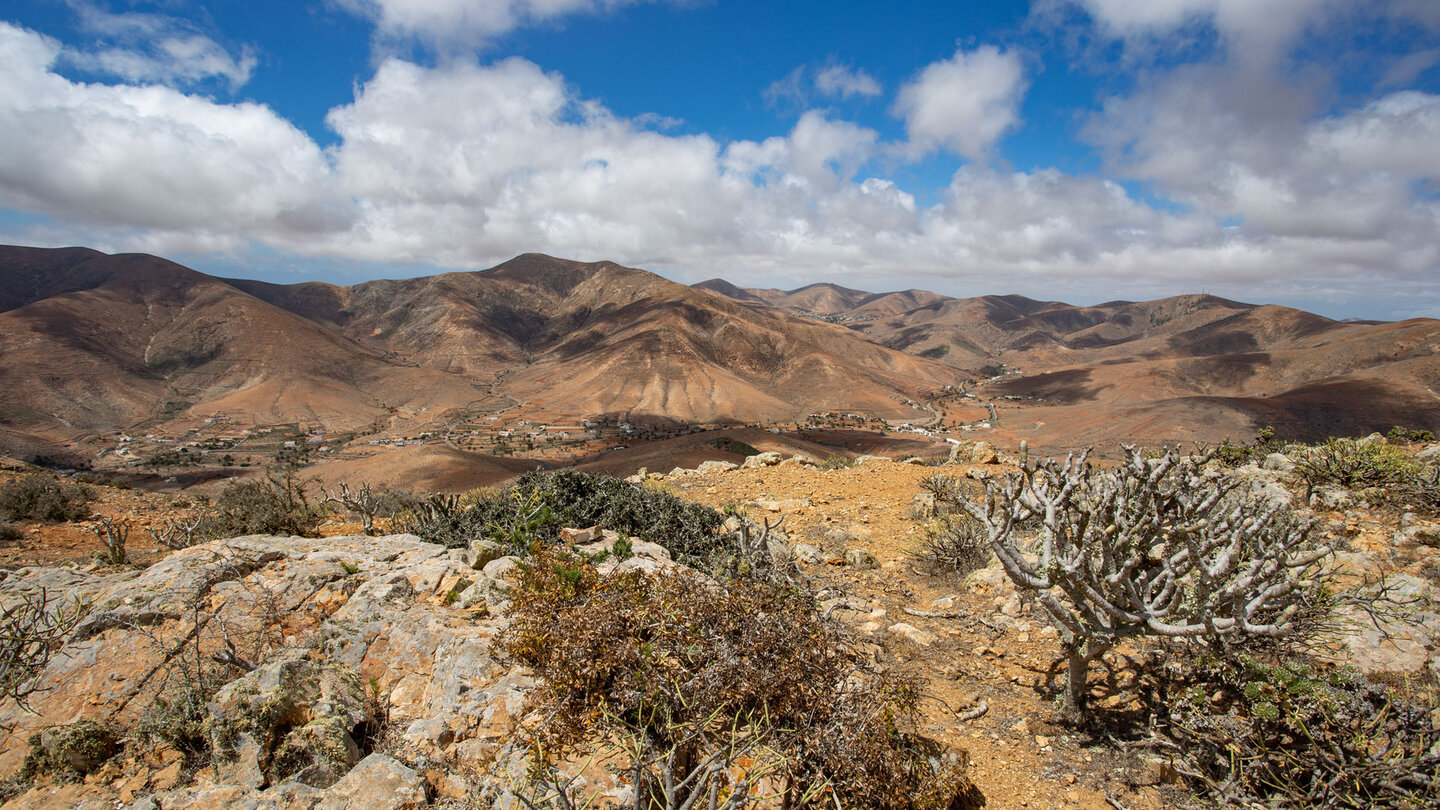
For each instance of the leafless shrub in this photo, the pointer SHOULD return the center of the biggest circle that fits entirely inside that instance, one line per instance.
(365, 502)
(114, 533)
(682, 675)
(1158, 547)
(954, 543)
(176, 533)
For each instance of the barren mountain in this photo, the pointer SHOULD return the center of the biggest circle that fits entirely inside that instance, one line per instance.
(94, 343)
(1178, 369)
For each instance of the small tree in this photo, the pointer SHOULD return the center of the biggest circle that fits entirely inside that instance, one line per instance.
(1157, 547)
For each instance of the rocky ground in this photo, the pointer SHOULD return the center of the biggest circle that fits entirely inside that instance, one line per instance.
(362, 666)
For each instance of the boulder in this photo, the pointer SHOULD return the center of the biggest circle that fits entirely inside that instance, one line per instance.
(859, 557)
(483, 552)
(767, 459)
(912, 634)
(808, 554)
(288, 719)
(1278, 462)
(379, 782)
(716, 466)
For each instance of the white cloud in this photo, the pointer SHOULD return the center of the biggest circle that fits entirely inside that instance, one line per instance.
(798, 88)
(965, 103)
(1255, 31)
(843, 81)
(146, 157)
(464, 165)
(461, 25)
(140, 47)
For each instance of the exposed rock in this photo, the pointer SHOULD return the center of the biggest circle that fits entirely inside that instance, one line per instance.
(1431, 453)
(983, 453)
(785, 505)
(1278, 462)
(350, 615)
(868, 459)
(858, 557)
(716, 466)
(379, 782)
(1395, 646)
(1331, 498)
(483, 552)
(580, 536)
(912, 634)
(767, 459)
(1410, 539)
(810, 555)
(288, 719)
(989, 580)
(800, 460)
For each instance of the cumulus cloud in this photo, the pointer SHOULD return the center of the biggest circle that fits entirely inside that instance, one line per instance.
(141, 47)
(463, 165)
(147, 157)
(964, 103)
(460, 25)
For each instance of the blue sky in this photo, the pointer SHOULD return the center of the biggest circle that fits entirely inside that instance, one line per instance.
(1274, 151)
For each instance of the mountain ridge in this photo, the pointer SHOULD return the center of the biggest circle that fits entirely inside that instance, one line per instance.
(93, 344)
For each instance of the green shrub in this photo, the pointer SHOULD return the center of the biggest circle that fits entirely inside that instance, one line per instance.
(675, 672)
(276, 504)
(1289, 733)
(1355, 465)
(1401, 435)
(837, 463)
(42, 498)
(70, 752)
(539, 504)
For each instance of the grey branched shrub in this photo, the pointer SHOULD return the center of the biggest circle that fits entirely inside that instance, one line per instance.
(1157, 547)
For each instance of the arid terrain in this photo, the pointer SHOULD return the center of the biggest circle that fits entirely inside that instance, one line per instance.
(134, 364)
(987, 659)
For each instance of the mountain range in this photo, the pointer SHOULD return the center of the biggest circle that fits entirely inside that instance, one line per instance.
(92, 344)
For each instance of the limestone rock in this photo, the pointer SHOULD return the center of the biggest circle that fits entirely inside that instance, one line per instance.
(288, 719)
(868, 459)
(483, 552)
(716, 466)
(767, 459)
(808, 554)
(379, 782)
(858, 557)
(1279, 462)
(912, 634)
